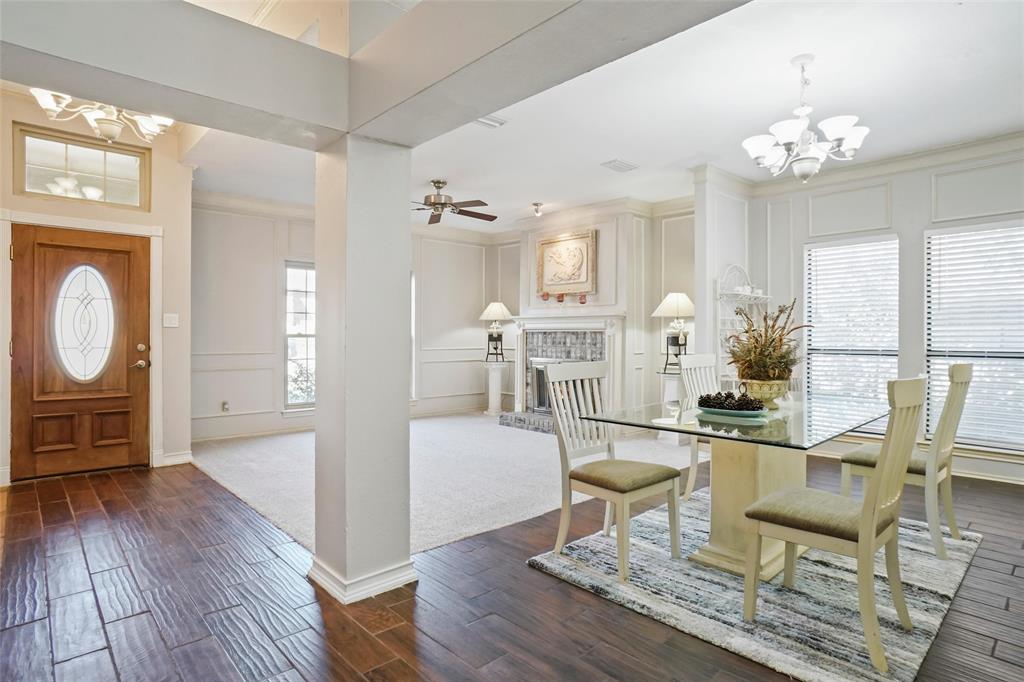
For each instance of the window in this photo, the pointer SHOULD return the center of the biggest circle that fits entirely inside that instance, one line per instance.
(83, 323)
(853, 304)
(59, 164)
(974, 293)
(300, 327)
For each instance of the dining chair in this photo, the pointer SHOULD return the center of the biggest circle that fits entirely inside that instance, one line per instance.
(839, 524)
(575, 390)
(699, 374)
(931, 468)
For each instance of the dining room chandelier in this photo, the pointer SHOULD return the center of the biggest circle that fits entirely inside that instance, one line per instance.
(792, 144)
(105, 120)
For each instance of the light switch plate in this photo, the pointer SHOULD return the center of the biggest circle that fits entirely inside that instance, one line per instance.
(170, 319)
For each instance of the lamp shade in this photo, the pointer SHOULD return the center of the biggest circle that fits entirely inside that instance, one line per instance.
(496, 311)
(675, 305)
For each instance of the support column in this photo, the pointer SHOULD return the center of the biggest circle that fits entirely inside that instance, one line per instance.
(362, 375)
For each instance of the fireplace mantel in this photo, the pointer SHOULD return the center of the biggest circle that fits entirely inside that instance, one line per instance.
(611, 325)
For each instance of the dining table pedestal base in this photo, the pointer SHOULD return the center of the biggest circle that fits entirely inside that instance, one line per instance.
(741, 474)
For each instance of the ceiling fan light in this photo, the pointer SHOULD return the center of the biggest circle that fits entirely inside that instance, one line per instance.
(789, 130)
(758, 145)
(836, 127)
(855, 138)
(806, 167)
(147, 124)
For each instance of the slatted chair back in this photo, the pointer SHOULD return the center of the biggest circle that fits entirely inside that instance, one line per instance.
(699, 374)
(883, 494)
(949, 420)
(576, 389)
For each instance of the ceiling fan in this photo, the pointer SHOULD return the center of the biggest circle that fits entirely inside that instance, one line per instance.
(438, 203)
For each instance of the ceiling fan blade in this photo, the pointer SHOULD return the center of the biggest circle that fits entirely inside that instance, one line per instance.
(478, 216)
(424, 208)
(469, 204)
(435, 218)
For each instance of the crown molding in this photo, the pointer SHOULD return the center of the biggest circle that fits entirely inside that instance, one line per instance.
(235, 203)
(684, 205)
(965, 151)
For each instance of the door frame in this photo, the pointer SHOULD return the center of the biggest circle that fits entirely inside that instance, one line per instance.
(156, 376)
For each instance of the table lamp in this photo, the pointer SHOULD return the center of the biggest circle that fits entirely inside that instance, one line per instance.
(675, 306)
(495, 313)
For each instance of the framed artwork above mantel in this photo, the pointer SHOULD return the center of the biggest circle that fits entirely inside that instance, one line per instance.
(567, 264)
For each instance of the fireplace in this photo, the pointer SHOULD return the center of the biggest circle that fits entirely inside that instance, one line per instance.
(543, 341)
(538, 383)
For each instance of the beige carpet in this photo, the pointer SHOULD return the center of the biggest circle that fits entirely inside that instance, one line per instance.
(468, 475)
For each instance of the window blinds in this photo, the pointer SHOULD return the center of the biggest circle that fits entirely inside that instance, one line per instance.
(852, 294)
(974, 290)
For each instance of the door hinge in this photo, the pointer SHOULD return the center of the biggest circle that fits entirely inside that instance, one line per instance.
(12, 251)
(10, 347)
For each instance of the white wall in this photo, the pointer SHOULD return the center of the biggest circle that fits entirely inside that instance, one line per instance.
(974, 184)
(169, 210)
(457, 274)
(239, 250)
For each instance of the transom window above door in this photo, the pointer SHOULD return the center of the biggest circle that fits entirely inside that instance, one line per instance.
(72, 167)
(300, 332)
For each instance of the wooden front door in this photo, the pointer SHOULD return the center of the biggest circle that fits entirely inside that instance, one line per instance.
(80, 355)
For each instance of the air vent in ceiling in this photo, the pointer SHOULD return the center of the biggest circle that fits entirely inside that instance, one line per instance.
(491, 121)
(619, 166)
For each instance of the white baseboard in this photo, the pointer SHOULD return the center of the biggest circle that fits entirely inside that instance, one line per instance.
(348, 591)
(253, 434)
(5, 476)
(172, 458)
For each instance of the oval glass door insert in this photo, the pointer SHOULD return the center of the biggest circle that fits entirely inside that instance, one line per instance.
(84, 323)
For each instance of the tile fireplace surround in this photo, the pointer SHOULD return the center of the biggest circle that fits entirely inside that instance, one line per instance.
(563, 339)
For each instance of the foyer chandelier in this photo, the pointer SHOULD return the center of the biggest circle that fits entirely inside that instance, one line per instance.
(792, 144)
(105, 120)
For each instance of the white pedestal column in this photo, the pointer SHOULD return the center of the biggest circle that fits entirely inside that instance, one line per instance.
(363, 248)
(495, 374)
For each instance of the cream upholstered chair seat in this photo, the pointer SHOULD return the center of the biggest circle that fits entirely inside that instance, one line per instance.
(840, 524)
(815, 511)
(576, 389)
(622, 475)
(930, 468)
(867, 456)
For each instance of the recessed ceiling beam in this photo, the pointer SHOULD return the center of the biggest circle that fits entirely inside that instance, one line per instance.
(178, 60)
(445, 63)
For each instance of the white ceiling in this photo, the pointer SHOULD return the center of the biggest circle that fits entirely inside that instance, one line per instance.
(921, 75)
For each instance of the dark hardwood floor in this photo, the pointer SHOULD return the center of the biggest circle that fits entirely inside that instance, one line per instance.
(164, 575)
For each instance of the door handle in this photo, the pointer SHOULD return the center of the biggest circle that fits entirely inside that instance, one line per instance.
(141, 364)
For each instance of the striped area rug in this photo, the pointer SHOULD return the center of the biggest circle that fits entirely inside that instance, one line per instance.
(811, 632)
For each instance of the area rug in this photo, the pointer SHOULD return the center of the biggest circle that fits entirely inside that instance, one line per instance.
(810, 632)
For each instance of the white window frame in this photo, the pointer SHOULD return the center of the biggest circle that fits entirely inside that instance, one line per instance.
(926, 355)
(289, 406)
(873, 428)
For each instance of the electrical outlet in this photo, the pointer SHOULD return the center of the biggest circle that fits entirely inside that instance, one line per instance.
(224, 406)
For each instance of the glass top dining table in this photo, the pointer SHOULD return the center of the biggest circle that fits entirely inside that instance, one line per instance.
(801, 422)
(751, 458)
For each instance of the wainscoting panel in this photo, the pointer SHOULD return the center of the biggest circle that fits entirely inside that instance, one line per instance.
(852, 210)
(247, 390)
(779, 250)
(233, 258)
(449, 302)
(978, 191)
(445, 379)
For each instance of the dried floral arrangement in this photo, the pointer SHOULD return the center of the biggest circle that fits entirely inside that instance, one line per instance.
(767, 352)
